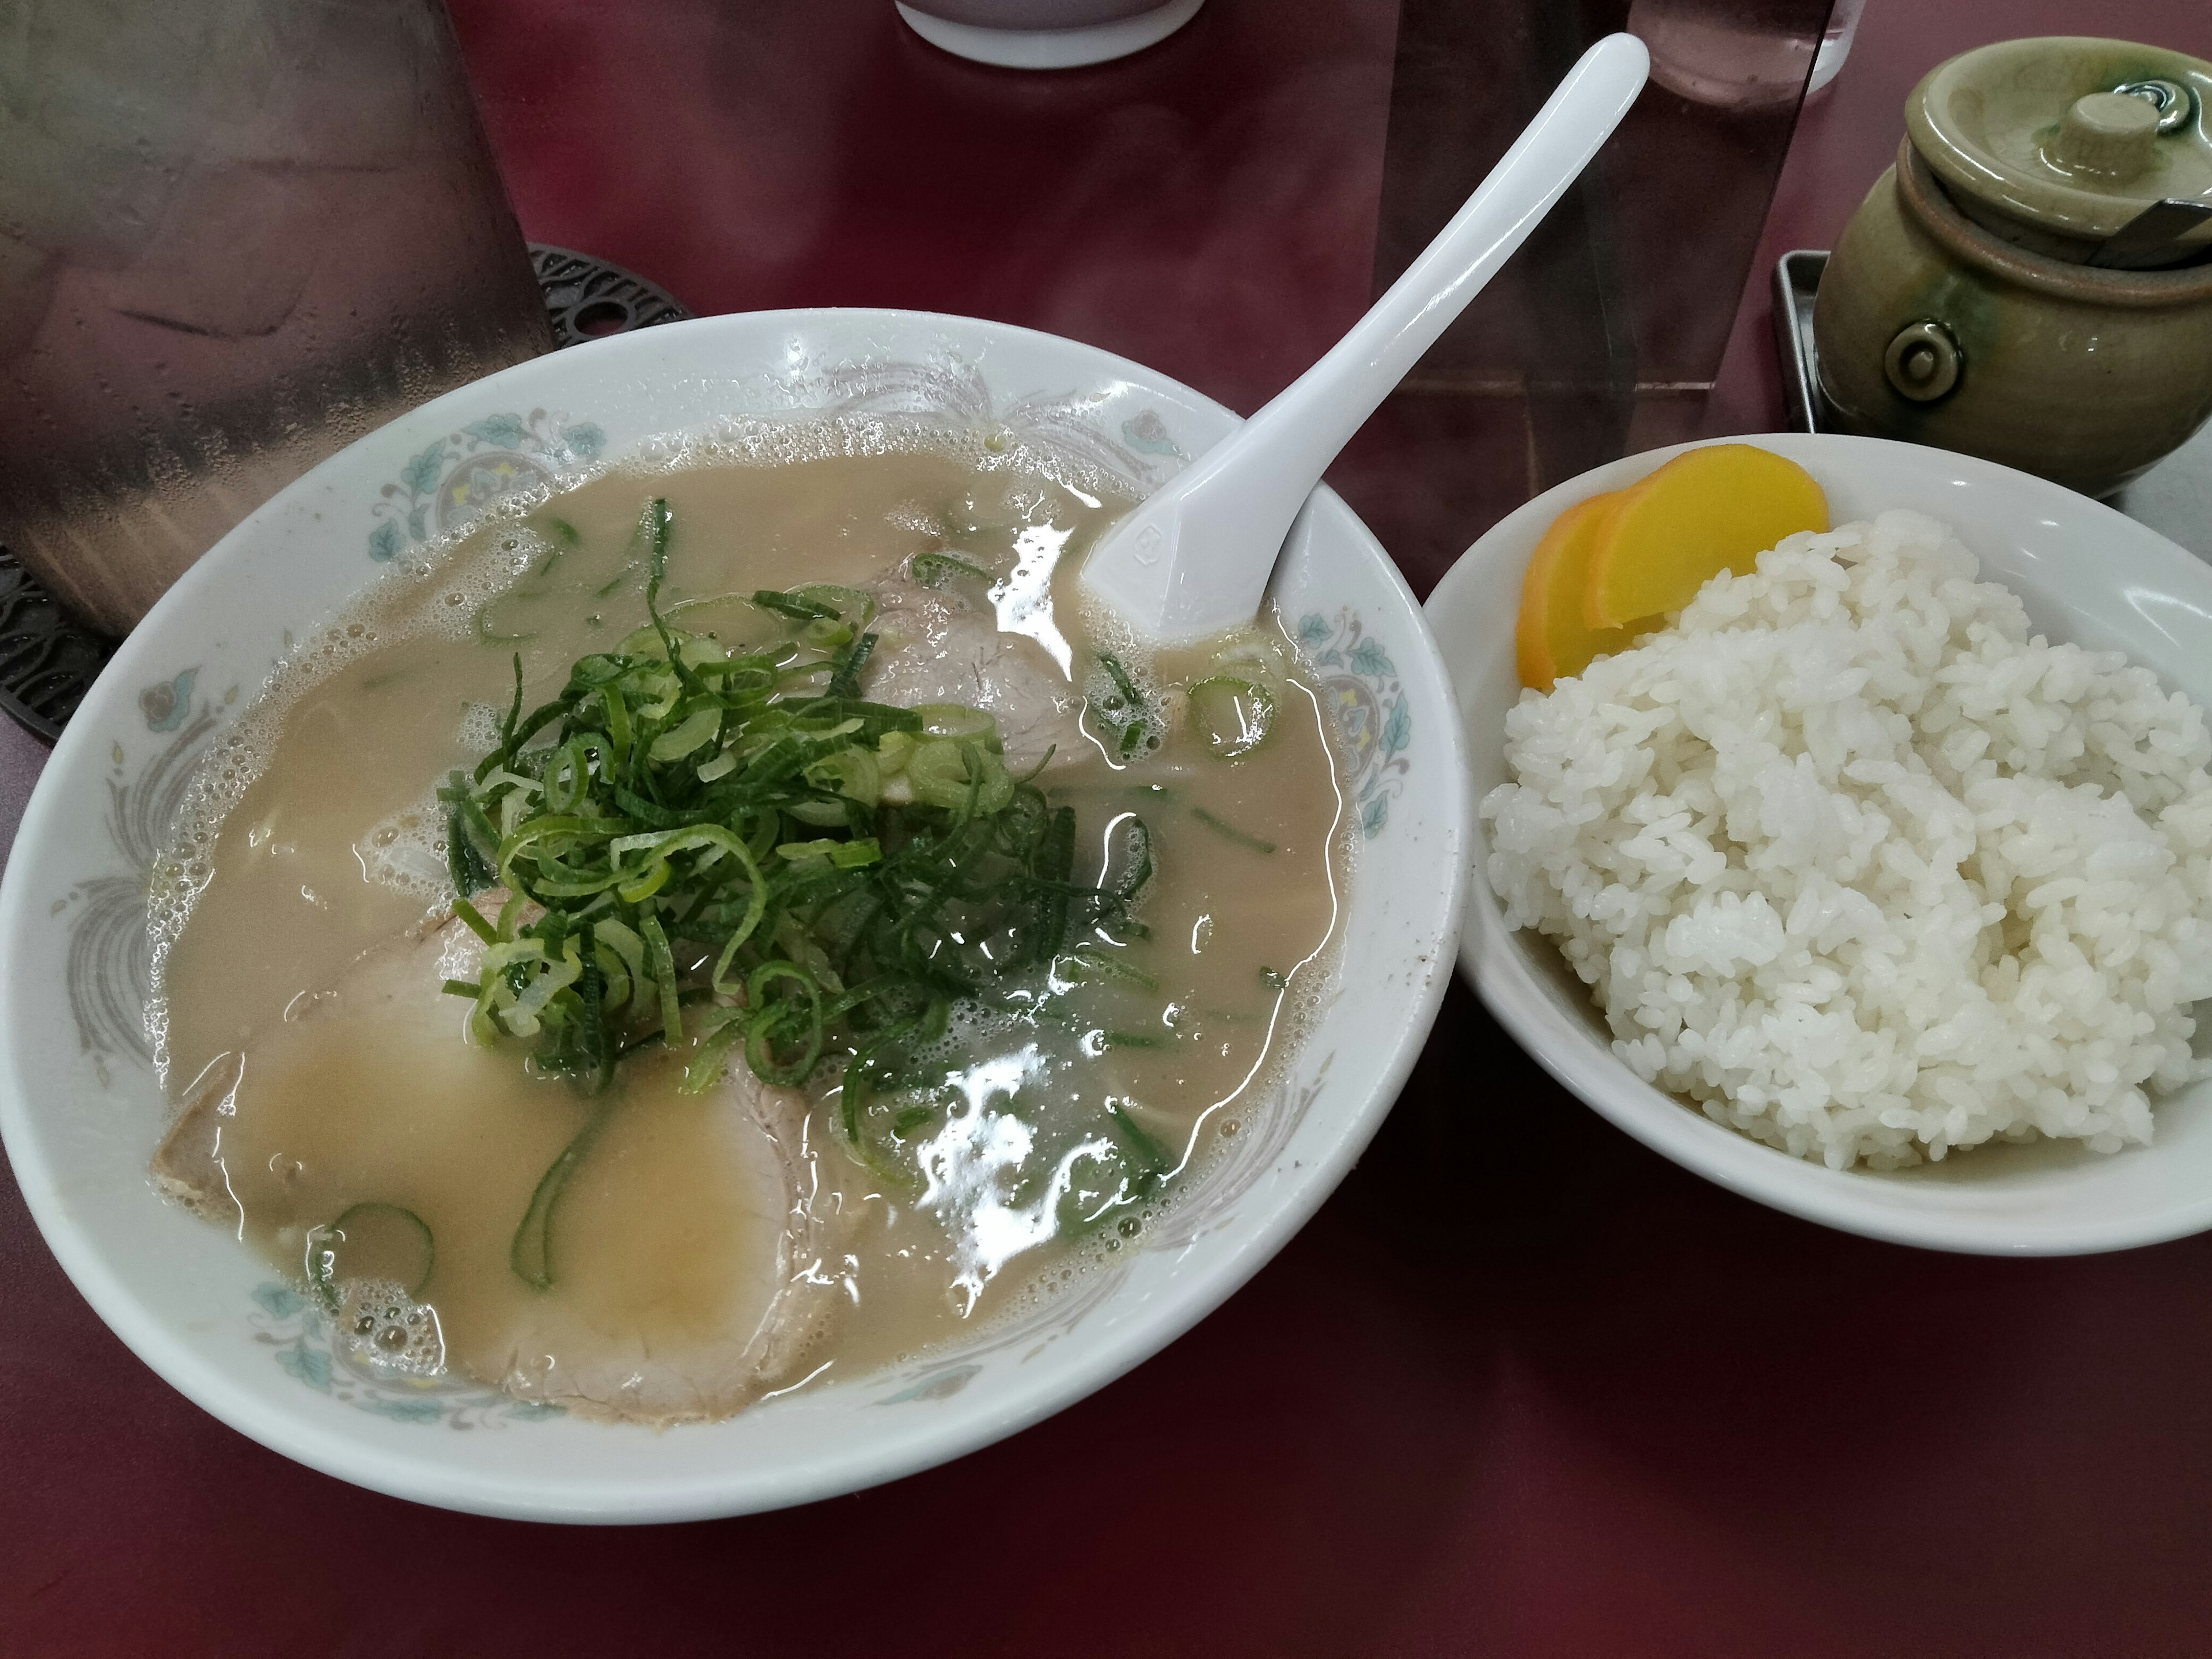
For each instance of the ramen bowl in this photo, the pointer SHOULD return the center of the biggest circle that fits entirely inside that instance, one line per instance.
(82, 1109)
(2085, 573)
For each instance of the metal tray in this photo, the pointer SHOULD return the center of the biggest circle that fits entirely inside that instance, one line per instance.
(1796, 280)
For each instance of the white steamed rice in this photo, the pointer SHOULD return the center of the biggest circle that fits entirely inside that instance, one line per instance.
(1850, 858)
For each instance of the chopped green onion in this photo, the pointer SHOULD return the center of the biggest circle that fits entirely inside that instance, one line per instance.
(817, 603)
(794, 606)
(725, 1028)
(384, 1241)
(1108, 964)
(625, 944)
(1131, 696)
(1152, 1155)
(947, 772)
(1139, 840)
(956, 720)
(1241, 837)
(663, 963)
(1234, 714)
(935, 569)
(774, 1017)
(845, 604)
(473, 919)
(846, 681)
(684, 825)
(698, 730)
(844, 854)
(531, 1255)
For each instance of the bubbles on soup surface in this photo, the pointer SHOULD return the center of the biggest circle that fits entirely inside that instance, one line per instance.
(378, 1325)
(406, 852)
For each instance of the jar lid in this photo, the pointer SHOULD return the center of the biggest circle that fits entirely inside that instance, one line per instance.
(2068, 136)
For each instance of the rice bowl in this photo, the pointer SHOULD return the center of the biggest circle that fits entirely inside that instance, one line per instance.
(1854, 860)
(2083, 574)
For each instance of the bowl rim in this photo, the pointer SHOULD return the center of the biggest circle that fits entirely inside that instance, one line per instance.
(1501, 974)
(165, 1346)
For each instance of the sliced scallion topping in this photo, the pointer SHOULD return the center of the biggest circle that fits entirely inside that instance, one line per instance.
(531, 1255)
(1233, 713)
(371, 1241)
(1223, 827)
(1132, 699)
(1152, 1158)
(736, 846)
(1127, 705)
(935, 569)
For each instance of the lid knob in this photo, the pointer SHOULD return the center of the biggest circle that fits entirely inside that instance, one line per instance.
(2056, 144)
(2108, 133)
(2169, 98)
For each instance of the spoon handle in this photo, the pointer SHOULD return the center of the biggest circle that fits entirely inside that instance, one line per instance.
(1194, 558)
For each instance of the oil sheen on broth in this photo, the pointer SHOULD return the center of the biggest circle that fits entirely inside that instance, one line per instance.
(710, 1247)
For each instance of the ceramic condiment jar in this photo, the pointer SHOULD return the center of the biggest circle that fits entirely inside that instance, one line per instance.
(1972, 302)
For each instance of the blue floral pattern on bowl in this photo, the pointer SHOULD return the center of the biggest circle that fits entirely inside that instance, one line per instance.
(306, 1349)
(1374, 718)
(451, 482)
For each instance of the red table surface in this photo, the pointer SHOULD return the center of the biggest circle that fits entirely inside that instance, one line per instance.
(1522, 1387)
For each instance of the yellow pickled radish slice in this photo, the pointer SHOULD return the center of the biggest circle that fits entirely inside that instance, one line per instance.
(1550, 640)
(1706, 511)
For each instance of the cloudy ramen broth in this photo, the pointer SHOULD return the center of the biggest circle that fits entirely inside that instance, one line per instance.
(659, 1254)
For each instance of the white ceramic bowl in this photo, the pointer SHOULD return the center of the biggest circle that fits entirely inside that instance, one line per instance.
(78, 1103)
(2085, 573)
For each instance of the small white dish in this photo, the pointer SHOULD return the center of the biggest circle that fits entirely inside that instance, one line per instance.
(81, 1111)
(1119, 31)
(2085, 573)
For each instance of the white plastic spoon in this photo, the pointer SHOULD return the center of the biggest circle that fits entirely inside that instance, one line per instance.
(1193, 558)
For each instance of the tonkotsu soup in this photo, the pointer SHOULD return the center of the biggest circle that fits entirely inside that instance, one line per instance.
(734, 927)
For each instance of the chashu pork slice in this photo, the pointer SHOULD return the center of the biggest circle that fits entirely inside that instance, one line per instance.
(938, 647)
(676, 1321)
(690, 1273)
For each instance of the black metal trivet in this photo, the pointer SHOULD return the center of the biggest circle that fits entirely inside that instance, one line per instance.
(47, 662)
(590, 299)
